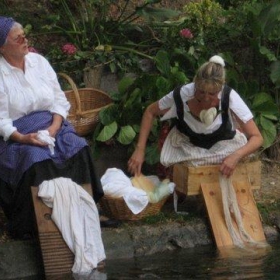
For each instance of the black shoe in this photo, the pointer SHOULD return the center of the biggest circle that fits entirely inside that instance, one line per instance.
(110, 223)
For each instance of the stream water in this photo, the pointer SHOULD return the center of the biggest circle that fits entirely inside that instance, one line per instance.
(200, 263)
(205, 262)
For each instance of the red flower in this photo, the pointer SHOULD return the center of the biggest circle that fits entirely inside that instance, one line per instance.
(186, 33)
(69, 49)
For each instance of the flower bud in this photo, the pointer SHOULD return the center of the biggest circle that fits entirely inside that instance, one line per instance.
(186, 33)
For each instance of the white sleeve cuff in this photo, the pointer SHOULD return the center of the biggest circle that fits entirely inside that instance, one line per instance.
(6, 128)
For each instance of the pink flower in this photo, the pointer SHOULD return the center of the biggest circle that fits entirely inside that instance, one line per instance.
(69, 49)
(31, 49)
(186, 33)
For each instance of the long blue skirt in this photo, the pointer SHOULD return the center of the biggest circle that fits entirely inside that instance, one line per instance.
(23, 166)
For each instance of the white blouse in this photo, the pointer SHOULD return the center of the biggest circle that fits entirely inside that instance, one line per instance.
(236, 105)
(36, 89)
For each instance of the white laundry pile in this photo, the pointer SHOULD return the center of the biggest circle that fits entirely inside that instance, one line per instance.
(116, 184)
(44, 136)
(76, 215)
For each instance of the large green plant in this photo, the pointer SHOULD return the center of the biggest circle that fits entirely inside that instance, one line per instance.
(120, 122)
(107, 31)
(249, 42)
(257, 76)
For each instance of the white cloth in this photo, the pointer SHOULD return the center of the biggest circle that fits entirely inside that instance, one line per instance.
(208, 116)
(76, 216)
(44, 136)
(116, 184)
(161, 191)
(21, 93)
(240, 237)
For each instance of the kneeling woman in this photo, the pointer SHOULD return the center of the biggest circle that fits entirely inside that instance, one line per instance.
(205, 112)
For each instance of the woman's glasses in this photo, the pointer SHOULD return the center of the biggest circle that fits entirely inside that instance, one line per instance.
(20, 39)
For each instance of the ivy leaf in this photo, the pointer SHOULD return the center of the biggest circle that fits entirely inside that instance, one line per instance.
(107, 132)
(126, 135)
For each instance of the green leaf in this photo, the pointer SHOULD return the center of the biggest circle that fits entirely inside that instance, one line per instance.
(107, 132)
(163, 63)
(266, 108)
(134, 98)
(261, 98)
(163, 84)
(136, 128)
(269, 17)
(268, 53)
(124, 84)
(152, 155)
(159, 14)
(270, 117)
(126, 135)
(109, 114)
(275, 73)
(264, 104)
(268, 130)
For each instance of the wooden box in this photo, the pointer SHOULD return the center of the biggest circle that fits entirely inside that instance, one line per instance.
(188, 179)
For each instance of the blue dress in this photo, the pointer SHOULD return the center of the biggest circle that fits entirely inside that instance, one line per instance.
(23, 166)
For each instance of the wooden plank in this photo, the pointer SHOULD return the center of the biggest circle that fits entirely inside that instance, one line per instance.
(250, 215)
(249, 211)
(188, 178)
(57, 257)
(213, 201)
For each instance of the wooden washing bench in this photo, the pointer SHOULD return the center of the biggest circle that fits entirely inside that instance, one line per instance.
(205, 180)
(58, 259)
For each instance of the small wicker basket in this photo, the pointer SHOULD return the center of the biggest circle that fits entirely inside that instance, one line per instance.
(86, 103)
(116, 208)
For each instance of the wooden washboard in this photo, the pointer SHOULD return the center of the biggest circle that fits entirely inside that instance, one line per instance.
(57, 257)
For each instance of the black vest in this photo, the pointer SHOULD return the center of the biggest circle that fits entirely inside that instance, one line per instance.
(206, 141)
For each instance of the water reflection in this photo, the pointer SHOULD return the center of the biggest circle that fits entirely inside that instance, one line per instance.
(195, 263)
(201, 263)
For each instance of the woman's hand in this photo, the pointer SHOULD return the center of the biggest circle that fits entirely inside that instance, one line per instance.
(229, 164)
(30, 139)
(136, 161)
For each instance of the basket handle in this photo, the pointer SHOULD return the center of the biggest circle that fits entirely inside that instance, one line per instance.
(75, 90)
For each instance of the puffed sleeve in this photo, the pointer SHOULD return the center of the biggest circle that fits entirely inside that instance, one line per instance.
(167, 102)
(61, 105)
(6, 123)
(239, 107)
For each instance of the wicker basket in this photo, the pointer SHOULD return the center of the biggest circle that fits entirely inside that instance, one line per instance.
(116, 208)
(86, 103)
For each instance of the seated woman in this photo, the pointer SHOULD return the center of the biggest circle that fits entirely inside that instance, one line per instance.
(206, 112)
(31, 101)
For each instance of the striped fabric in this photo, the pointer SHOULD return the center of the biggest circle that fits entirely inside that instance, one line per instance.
(16, 158)
(177, 148)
